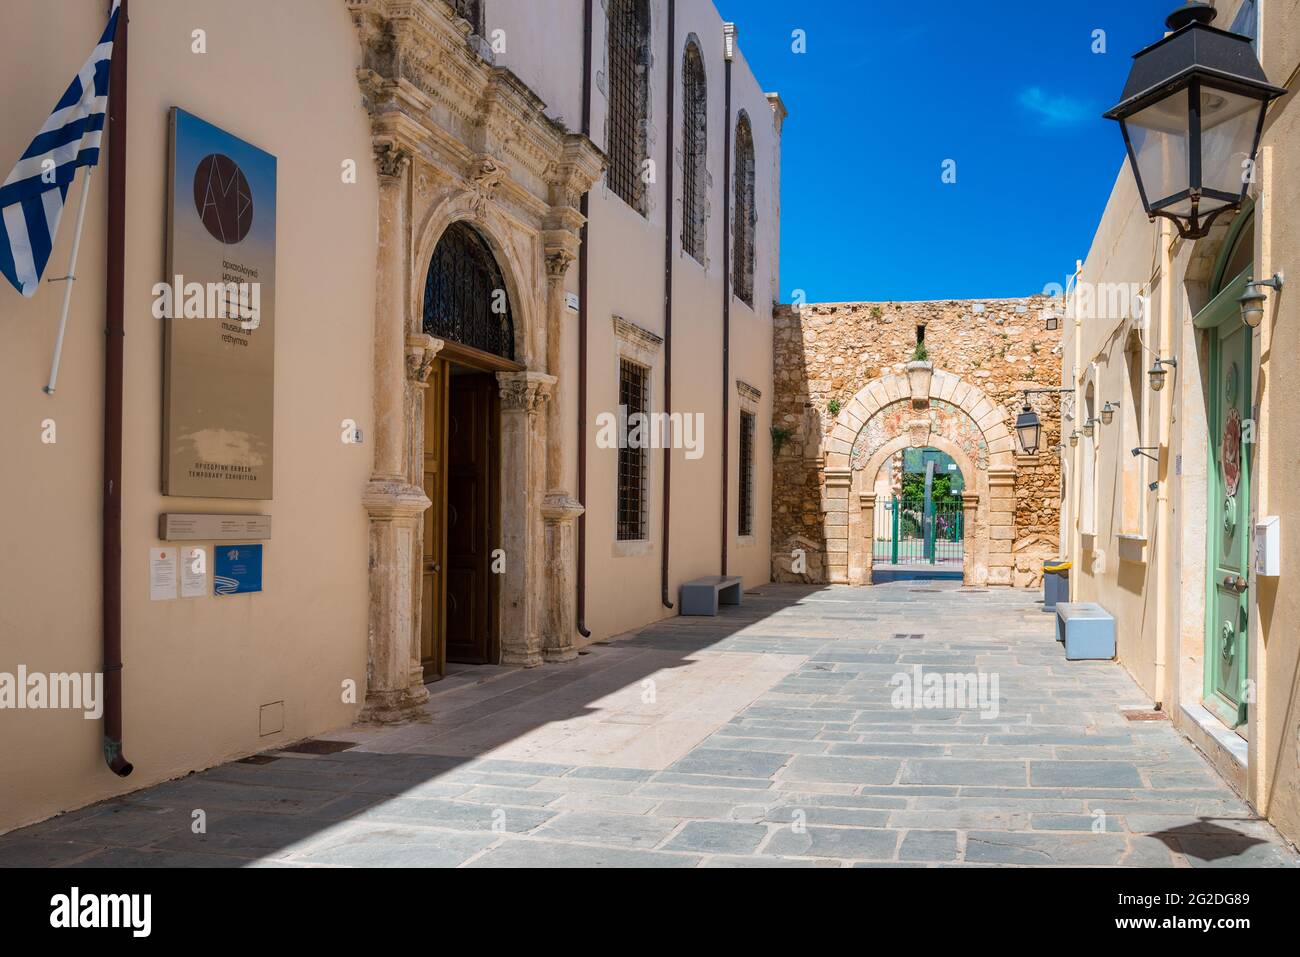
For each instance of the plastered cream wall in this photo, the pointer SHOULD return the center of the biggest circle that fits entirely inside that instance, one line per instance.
(627, 280)
(280, 75)
(1159, 599)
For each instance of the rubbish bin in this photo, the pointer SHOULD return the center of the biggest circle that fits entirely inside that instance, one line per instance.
(1056, 583)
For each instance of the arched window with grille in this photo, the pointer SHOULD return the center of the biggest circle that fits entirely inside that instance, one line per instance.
(746, 214)
(629, 97)
(465, 297)
(695, 148)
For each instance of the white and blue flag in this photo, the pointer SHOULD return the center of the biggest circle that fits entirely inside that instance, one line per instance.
(32, 198)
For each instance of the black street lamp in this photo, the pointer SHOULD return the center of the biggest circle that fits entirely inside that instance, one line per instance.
(1192, 115)
(1029, 430)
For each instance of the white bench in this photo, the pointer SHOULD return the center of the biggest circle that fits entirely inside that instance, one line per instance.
(703, 595)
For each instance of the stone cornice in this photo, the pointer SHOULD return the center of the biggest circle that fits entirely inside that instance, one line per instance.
(431, 93)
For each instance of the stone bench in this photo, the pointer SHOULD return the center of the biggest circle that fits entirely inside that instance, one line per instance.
(703, 595)
(1086, 629)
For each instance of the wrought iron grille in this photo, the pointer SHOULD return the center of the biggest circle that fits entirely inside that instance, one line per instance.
(745, 524)
(633, 463)
(695, 140)
(629, 91)
(465, 298)
(746, 214)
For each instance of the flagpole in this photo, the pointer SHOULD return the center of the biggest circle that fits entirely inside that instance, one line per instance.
(70, 279)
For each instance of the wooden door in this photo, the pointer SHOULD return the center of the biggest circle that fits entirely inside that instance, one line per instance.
(471, 519)
(1229, 533)
(433, 617)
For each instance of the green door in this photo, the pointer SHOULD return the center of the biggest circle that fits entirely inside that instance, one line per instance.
(1230, 435)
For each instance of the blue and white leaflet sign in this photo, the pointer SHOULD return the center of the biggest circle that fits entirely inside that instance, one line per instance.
(238, 570)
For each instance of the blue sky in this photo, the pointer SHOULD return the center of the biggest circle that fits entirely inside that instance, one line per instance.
(886, 92)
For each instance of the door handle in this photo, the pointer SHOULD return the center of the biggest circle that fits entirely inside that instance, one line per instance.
(1236, 583)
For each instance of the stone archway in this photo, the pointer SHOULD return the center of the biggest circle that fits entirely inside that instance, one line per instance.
(954, 416)
(458, 139)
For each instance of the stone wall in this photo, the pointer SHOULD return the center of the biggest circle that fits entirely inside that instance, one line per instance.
(825, 354)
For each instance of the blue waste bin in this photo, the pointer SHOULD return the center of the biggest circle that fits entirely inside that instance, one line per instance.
(1056, 583)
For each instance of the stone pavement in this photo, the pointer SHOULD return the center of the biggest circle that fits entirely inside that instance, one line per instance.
(769, 736)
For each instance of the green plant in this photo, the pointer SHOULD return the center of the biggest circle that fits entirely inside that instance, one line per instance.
(833, 406)
(780, 436)
(920, 353)
(876, 312)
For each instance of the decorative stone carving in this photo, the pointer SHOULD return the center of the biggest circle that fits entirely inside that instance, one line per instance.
(421, 352)
(524, 391)
(484, 177)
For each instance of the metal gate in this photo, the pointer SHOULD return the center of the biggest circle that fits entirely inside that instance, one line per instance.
(918, 535)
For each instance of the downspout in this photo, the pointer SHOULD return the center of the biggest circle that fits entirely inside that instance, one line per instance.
(1164, 518)
(668, 294)
(729, 52)
(1076, 539)
(585, 209)
(115, 332)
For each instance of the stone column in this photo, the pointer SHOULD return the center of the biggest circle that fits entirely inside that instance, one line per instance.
(421, 353)
(392, 502)
(560, 510)
(835, 506)
(974, 569)
(523, 469)
(868, 503)
(1002, 524)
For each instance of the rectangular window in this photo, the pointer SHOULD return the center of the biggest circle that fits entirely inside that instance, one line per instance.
(633, 463)
(745, 525)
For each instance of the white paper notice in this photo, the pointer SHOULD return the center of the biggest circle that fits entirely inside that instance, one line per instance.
(194, 572)
(162, 574)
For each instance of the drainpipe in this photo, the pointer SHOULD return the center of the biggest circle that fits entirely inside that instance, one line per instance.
(668, 293)
(729, 52)
(1164, 523)
(115, 332)
(1076, 539)
(585, 209)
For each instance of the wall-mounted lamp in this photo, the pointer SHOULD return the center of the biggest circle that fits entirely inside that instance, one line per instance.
(1159, 373)
(1090, 426)
(1146, 451)
(1074, 438)
(1029, 430)
(1252, 301)
(1108, 412)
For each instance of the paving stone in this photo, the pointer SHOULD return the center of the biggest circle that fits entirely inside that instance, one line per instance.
(928, 846)
(454, 816)
(615, 830)
(718, 837)
(396, 846)
(842, 843)
(525, 853)
(953, 771)
(807, 767)
(1104, 774)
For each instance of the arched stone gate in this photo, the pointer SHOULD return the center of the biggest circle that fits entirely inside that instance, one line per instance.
(954, 416)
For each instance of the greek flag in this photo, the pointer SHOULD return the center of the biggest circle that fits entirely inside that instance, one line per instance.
(31, 199)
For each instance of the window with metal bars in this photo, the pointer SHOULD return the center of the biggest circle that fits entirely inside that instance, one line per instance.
(695, 146)
(471, 10)
(633, 463)
(465, 298)
(629, 98)
(746, 214)
(745, 523)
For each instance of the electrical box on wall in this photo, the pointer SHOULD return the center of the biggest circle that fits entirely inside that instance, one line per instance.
(1268, 547)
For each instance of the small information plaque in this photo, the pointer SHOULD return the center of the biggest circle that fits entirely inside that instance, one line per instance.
(213, 528)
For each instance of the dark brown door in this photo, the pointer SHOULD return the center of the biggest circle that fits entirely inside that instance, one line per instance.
(471, 519)
(433, 580)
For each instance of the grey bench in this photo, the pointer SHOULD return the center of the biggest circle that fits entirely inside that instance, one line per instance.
(703, 595)
(1086, 629)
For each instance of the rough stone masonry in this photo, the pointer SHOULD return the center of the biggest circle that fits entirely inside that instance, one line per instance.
(827, 354)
